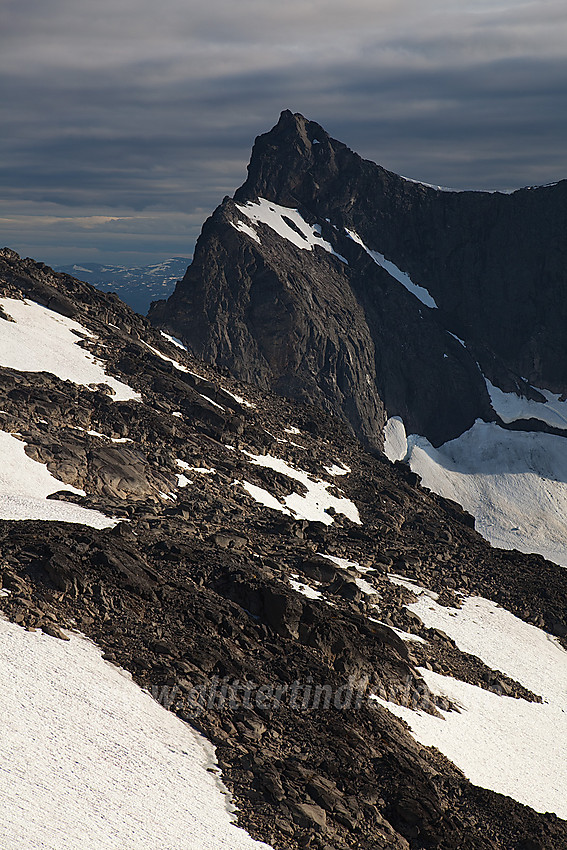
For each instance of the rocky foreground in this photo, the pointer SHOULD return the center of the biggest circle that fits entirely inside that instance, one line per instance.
(228, 611)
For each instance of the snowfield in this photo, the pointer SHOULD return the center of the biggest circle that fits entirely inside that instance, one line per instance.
(39, 340)
(25, 485)
(513, 482)
(511, 746)
(89, 760)
(286, 222)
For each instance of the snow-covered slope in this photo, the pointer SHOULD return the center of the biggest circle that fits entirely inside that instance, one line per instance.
(513, 482)
(26, 484)
(91, 761)
(500, 742)
(40, 340)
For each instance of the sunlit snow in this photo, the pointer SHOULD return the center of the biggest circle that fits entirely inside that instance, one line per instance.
(365, 587)
(300, 233)
(25, 484)
(182, 368)
(508, 745)
(419, 291)
(174, 340)
(239, 399)
(245, 228)
(263, 497)
(304, 589)
(39, 340)
(176, 365)
(337, 470)
(90, 760)
(343, 563)
(314, 504)
(204, 470)
(407, 636)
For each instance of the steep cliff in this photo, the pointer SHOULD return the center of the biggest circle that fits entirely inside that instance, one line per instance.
(373, 295)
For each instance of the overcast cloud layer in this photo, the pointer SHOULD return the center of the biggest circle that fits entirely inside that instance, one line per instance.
(125, 122)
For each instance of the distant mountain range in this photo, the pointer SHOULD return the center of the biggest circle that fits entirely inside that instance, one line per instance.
(138, 286)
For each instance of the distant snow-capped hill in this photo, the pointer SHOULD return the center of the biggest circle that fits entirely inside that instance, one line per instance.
(138, 286)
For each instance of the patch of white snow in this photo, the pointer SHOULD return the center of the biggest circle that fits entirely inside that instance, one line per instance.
(510, 407)
(263, 497)
(174, 340)
(395, 440)
(334, 469)
(39, 340)
(90, 760)
(511, 746)
(513, 482)
(419, 291)
(245, 228)
(25, 485)
(313, 505)
(304, 589)
(299, 233)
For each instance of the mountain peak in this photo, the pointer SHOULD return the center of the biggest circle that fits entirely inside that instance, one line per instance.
(407, 271)
(282, 158)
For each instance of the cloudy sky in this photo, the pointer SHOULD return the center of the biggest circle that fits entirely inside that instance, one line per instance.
(125, 122)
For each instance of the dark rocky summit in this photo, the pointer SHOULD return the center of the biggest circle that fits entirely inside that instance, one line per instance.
(349, 337)
(193, 590)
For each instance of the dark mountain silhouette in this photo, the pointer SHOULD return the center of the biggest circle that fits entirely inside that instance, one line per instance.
(345, 333)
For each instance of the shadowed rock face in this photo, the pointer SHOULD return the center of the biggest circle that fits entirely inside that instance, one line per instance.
(348, 336)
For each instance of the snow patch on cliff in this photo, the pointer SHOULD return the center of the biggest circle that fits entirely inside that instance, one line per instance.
(419, 291)
(287, 223)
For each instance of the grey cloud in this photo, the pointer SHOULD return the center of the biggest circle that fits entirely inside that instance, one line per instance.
(136, 110)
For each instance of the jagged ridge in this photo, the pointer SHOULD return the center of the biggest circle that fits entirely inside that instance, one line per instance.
(349, 337)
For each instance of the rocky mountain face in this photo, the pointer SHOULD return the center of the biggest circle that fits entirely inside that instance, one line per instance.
(383, 296)
(243, 537)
